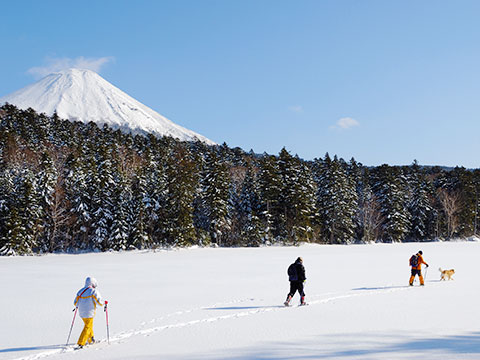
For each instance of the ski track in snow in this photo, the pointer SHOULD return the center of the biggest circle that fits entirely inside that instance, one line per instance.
(254, 310)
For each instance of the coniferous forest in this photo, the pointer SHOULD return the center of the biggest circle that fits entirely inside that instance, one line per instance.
(68, 186)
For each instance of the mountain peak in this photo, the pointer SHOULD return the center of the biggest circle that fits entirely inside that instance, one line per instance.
(75, 71)
(83, 95)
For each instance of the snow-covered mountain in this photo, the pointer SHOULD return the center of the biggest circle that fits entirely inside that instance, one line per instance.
(83, 95)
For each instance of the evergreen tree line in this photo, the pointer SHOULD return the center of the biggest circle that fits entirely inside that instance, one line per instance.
(69, 186)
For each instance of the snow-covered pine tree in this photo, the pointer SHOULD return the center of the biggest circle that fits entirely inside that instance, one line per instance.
(297, 197)
(270, 188)
(12, 241)
(11, 227)
(237, 176)
(182, 184)
(78, 194)
(337, 201)
(357, 174)
(476, 205)
(390, 187)
(29, 210)
(138, 238)
(101, 200)
(47, 179)
(200, 213)
(289, 177)
(420, 205)
(155, 164)
(120, 192)
(215, 194)
(251, 229)
(466, 190)
(119, 230)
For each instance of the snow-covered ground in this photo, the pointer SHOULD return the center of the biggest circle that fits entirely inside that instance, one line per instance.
(227, 304)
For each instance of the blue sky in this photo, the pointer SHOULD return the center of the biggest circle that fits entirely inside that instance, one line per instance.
(380, 81)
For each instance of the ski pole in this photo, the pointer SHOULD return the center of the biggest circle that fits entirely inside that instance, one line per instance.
(426, 269)
(106, 316)
(71, 327)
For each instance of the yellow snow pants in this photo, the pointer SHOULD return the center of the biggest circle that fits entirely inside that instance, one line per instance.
(87, 333)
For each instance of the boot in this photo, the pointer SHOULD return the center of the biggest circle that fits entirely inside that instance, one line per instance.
(422, 282)
(302, 301)
(411, 280)
(289, 297)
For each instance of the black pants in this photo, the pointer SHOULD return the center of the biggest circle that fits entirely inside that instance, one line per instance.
(294, 286)
(416, 272)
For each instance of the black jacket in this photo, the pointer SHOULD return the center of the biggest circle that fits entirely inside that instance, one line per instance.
(300, 269)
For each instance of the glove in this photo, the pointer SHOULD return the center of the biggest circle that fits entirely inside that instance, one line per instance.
(426, 265)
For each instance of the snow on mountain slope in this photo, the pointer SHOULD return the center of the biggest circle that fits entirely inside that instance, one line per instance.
(85, 96)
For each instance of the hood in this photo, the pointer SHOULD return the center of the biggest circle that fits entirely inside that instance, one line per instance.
(90, 281)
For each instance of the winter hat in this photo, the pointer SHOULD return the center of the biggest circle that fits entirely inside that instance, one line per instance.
(420, 252)
(299, 259)
(90, 281)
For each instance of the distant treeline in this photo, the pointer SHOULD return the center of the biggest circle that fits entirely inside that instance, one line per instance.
(69, 186)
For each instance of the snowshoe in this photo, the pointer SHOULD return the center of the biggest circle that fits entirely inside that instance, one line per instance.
(287, 302)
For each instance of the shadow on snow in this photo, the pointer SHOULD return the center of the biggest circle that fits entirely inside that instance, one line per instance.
(31, 348)
(245, 307)
(321, 348)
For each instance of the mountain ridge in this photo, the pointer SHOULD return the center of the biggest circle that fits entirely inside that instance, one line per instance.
(83, 95)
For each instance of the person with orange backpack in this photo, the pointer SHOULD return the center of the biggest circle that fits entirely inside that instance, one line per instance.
(416, 262)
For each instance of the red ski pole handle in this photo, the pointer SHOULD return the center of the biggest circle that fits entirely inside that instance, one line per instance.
(106, 318)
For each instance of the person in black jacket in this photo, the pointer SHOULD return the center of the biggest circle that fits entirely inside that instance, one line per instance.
(296, 276)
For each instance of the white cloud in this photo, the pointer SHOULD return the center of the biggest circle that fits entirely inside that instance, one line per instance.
(345, 123)
(296, 108)
(58, 64)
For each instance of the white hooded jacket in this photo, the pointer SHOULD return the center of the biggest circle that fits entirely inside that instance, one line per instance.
(88, 298)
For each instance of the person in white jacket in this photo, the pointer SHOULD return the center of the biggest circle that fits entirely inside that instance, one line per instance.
(86, 301)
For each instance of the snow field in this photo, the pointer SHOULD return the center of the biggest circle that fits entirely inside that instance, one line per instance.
(226, 304)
